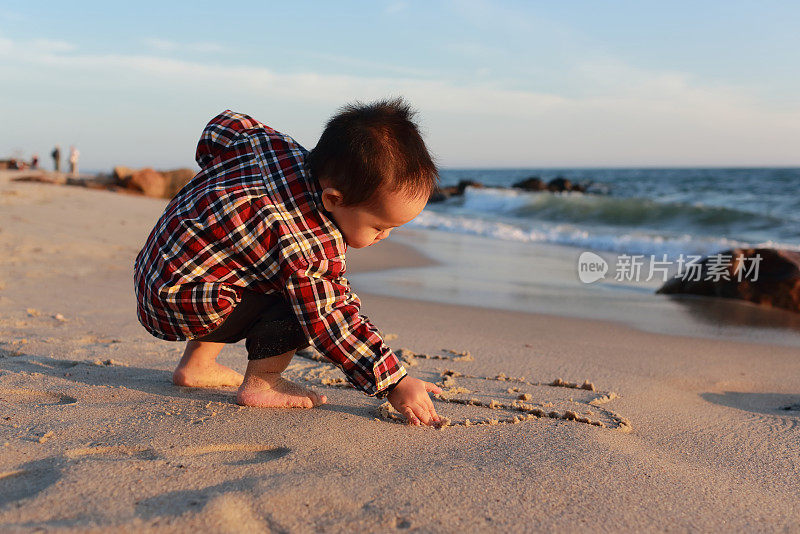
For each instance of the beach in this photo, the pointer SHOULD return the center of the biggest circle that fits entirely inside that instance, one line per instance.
(559, 421)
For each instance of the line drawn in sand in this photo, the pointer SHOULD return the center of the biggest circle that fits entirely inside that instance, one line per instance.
(486, 400)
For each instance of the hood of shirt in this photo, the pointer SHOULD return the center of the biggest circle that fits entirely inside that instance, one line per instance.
(229, 127)
(220, 133)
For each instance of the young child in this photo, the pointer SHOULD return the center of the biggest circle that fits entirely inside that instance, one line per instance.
(254, 248)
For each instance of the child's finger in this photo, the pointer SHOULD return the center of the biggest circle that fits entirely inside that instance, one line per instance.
(424, 414)
(432, 388)
(408, 413)
(432, 411)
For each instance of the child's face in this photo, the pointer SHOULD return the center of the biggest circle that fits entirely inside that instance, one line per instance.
(363, 226)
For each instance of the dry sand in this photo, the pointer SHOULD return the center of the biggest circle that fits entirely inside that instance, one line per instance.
(95, 438)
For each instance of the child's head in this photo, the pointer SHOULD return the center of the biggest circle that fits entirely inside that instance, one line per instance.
(374, 168)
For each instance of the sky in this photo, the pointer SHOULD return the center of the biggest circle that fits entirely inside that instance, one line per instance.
(495, 84)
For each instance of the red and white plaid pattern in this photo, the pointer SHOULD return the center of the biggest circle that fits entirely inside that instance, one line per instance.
(253, 218)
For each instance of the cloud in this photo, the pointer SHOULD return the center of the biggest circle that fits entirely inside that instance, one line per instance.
(630, 117)
(52, 46)
(302, 86)
(11, 16)
(395, 7)
(164, 45)
(371, 65)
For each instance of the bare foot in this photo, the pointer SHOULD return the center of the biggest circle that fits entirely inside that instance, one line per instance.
(205, 374)
(273, 391)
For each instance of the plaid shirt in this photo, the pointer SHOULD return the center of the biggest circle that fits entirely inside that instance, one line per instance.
(253, 218)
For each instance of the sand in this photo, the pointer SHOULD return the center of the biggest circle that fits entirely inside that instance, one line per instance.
(697, 433)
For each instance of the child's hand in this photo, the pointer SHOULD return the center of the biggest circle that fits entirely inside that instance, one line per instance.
(410, 398)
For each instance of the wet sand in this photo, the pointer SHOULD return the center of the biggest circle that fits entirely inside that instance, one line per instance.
(543, 278)
(95, 437)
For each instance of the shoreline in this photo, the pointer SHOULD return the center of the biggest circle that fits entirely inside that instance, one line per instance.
(422, 264)
(414, 263)
(87, 398)
(433, 255)
(541, 279)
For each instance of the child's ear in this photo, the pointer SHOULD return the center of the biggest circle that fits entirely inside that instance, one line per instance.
(331, 198)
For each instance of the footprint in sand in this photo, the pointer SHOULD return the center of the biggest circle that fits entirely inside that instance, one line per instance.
(28, 397)
(779, 412)
(470, 400)
(21, 360)
(90, 339)
(229, 453)
(228, 504)
(27, 480)
(54, 364)
(113, 452)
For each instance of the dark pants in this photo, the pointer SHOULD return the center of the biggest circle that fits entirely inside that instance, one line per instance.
(266, 323)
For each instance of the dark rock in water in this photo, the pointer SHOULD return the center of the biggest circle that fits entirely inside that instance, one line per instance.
(777, 284)
(579, 188)
(463, 184)
(559, 185)
(437, 196)
(534, 183)
(440, 194)
(443, 193)
(556, 185)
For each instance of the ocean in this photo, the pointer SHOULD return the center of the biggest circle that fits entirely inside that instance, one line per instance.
(631, 211)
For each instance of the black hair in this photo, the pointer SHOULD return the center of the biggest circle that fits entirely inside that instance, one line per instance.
(368, 147)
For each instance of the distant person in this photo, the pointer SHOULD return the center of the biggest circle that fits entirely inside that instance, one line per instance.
(262, 259)
(35, 161)
(56, 158)
(73, 161)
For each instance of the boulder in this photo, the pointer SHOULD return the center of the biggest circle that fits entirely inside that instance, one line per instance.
(150, 182)
(441, 194)
(122, 174)
(176, 179)
(556, 185)
(559, 184)
(579, 188)
(534, 183)
(777, 284)
(463, 184)
(160, 184)
(437, 195)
